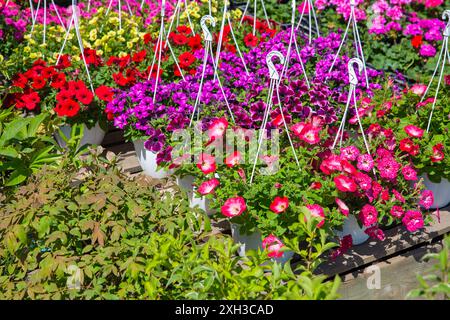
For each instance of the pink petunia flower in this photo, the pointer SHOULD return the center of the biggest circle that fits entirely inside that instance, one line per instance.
(217, 129)
(350, 153)
(388, 168)
(397, 211)
(375, 233)
(343, 208)
(409, 173)
(279, 204)
(331, 164)
(368, 215)
(413, 131)
(418, 89)
(398, 196)
(208, 186)
(365, 162)
(206, 163)
(317, 212)
(233, 207)
(234, 159)
(344, 183)
(413, 220)
(273, 245)
(426, 199)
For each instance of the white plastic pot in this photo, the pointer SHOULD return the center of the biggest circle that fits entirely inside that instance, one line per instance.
(93, 136)
(352, 228)
(441, 191)
(147, 160)
(253, 242)
(186, 183)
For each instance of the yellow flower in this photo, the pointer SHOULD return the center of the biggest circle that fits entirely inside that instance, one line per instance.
(120, 32)
(129, 45)
(100, 52)
(76, 58)
(93, 35)
(27, 49)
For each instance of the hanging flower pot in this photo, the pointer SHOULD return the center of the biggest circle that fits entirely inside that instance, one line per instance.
(186, 183)
(92, 136)
(147, 160)
(352, 228)
(254, 241)
(441, 191)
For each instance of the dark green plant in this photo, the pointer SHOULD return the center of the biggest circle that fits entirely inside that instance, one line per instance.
(25, 147)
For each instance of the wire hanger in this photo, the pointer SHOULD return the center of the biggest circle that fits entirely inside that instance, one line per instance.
(444, 55)
(273, 88)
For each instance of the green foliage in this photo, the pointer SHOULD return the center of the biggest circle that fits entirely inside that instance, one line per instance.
(96, 233)
(24, 147)
(435, 285)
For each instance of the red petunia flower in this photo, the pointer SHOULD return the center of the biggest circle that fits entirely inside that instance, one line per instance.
(195, 42)
(64, 62)
(417, 41)
(186, 59)
(68, 108)
(84, 96)
(250, 40)
(64, 95)
(38, 83)
(30, 100)
(139, 56)
(58, 80)
(147, 38)
(104, 93)
(178, 39)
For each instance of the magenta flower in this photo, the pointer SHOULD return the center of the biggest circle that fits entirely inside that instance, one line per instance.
(397, 211)
(413, 220)
(426, 199)
(409, 173)
(368, 215)
(375, 233)
(388, 168)
(427, 50)
(365, 162)
(350, 153)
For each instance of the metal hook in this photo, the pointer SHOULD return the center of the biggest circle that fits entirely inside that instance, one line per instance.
(446, 15)
(269, 60)
(207, 34)
(351, 71)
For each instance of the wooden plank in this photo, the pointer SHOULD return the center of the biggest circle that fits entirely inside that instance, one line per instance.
(397, 239)
(398, 276)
